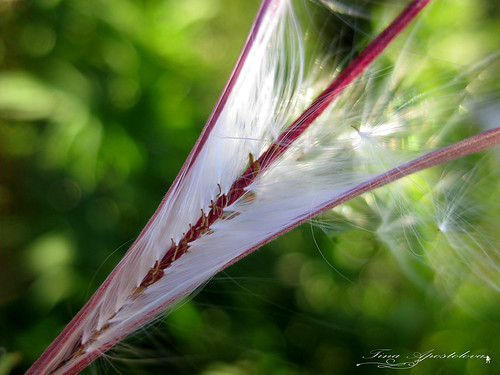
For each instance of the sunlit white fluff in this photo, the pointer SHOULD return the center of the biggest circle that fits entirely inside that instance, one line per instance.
(375, 125)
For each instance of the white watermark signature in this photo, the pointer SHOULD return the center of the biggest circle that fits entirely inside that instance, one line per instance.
(386, 358)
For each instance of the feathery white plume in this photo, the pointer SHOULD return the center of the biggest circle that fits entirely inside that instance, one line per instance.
(252, 176)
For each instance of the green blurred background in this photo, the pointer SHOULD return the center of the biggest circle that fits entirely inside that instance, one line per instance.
(100, 103)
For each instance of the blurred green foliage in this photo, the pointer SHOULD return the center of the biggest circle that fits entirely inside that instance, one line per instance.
(100, 103)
